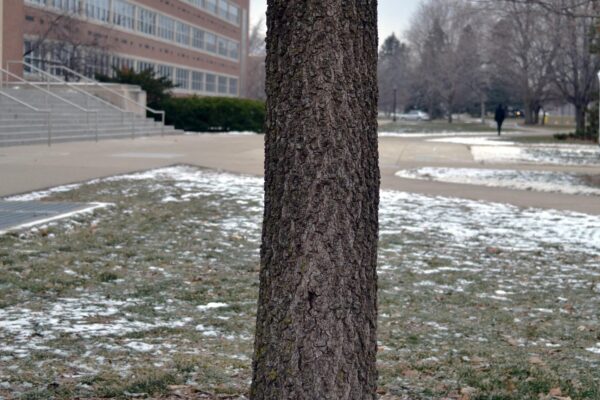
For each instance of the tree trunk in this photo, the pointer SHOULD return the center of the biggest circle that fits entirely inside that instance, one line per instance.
(482, 111)
(536, 115)
(580, 119)
(317, 309)
(529, 113)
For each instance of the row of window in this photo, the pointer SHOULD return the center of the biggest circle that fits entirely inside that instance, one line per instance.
(92, 62)
(136, 18)
(221, 8)
(183, 78)
(99, 8)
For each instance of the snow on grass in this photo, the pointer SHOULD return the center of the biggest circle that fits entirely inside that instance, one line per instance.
(211, 306)
(595, 350)
(466, 288)
(543, 181)
(500, 225)
(38, 195)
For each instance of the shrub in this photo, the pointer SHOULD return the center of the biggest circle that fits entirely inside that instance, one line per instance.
(561, 136)
(215, 114)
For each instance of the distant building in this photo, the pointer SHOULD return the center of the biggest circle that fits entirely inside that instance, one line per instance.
(201, 45)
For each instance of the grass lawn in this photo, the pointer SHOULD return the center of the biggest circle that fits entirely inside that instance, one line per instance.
(156, 295)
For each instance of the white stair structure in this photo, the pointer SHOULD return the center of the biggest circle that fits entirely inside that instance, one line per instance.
(52, 110)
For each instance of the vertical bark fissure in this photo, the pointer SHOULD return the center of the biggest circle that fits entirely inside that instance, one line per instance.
(317, 312)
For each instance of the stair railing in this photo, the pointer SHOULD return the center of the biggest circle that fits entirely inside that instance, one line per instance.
(35, 109)
(87, 95)
(105, 87)
(48, 93)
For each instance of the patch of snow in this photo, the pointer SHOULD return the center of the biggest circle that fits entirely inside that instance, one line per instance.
(436, 134)
(543, 181)
(474, 141)
(211, 306)
(140, 346)
(232, 133)
(500, 225)
(38, 195)
(595, 350)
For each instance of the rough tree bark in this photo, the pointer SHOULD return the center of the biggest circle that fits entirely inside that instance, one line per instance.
(317, 311)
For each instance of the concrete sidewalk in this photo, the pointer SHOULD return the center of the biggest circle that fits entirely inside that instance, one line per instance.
(28, 168)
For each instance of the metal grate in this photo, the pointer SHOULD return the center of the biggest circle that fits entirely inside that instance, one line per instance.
(14, 214)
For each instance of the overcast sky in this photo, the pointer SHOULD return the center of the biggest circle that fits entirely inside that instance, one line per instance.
(394, 15)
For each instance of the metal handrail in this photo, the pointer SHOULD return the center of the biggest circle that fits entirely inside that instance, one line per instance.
(48, 92)
(19, 79)
(72, 86)
(69, 84)
(114, 92)
(21, 102)
(35, 109)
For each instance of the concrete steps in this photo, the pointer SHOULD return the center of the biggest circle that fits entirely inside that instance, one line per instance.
(22, 125)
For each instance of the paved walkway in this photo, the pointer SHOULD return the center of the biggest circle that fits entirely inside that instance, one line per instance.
(27, 168)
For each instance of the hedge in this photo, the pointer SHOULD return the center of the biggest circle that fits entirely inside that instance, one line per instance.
(215, 114)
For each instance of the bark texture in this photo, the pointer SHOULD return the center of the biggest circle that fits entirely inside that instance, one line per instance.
(317, 312)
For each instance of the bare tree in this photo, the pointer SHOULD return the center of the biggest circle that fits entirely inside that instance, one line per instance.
(523, 53)
(393, 74)
(63, 40)
(449, 65)
(576, 8)
(317, 309)
(576, 67)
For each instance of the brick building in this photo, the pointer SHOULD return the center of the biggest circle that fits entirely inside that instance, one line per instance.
(201, 45)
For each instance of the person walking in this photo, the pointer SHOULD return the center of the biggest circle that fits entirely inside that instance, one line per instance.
(500, 117)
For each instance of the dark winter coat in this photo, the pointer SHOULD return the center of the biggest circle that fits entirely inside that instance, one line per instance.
(500, 114)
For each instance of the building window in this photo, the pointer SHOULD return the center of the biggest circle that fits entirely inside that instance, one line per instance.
(223, 9)
(147, 23)
(234, 50)
(211, 5)
(222, 84)
(166, 27)
(234, 14)
(65, 5)
(183, 33)
(211, 83)
(197, 81)
(223, 46)
(182, 78)
(198, 39)
(165, 71)
(145, 66)
(120, 63)
(34, 55)
(97, 9)
(124, 14)
(233, 86)
(210, 41)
